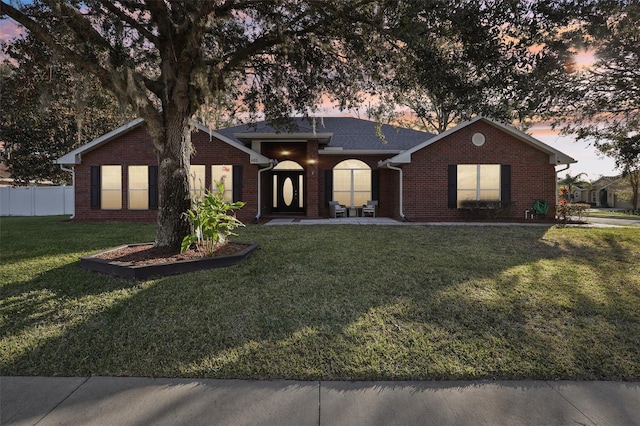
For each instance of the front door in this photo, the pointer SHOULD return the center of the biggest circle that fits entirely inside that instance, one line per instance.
(288, 187)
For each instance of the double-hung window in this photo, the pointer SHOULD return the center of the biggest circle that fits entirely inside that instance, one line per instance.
(478, 182)
(197, 181)
(111, 187)
(141, 187)
(138, 187)
(223, 174)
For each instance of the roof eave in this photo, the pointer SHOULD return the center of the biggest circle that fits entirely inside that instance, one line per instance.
(357, 152)
(248, 137)
(559, 158)
(254, 157)
(75, 157)
(403, 157)
(555, 156)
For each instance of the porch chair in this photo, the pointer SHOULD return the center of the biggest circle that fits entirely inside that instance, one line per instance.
(370, 208)
(335, 209)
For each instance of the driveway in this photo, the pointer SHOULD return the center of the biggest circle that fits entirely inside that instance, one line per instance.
(612, 221)
(620, 221)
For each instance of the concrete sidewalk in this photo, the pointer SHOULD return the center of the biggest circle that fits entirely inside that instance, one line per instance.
(142, 401)
(592, 222)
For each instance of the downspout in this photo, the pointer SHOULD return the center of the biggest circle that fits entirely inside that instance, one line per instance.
(555, 204)
(561, 170)
(73, 185)
(269, 167)
(389, 166)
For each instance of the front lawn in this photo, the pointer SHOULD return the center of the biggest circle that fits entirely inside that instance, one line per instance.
(329, 302)
(613, 214)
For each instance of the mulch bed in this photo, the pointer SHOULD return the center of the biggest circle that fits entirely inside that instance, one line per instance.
(147, 254)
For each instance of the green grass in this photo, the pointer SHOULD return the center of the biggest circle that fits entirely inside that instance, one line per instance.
(614, 215)
(330, 302)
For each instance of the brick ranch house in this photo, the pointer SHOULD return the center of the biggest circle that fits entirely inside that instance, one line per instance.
(413, 175)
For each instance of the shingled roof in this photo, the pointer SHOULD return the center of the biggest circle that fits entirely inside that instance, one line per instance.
(347, 133)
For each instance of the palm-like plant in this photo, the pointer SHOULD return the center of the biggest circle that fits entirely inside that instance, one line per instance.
(573, 182)
(212, 221)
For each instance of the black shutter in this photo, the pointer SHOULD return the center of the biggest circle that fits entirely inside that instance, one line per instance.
(375, 185)
(328, 186)
(453, 186)
(153, 187)
(237, 183)
(95, 187)
(505, 183)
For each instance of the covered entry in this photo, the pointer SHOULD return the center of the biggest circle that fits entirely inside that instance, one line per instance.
(288, 188)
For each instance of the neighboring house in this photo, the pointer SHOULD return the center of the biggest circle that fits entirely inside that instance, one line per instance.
(607, 191)
(413, 175)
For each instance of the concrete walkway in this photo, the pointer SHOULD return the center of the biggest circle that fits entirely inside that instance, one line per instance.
(47, 401)
(593, 222)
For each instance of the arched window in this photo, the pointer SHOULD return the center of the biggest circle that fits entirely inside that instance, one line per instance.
(352, 182)
(288, 186)
(288, 165)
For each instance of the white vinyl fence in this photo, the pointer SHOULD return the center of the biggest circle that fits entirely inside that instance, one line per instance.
(36, 201)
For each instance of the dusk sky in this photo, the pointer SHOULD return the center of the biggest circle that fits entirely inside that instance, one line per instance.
(589, 160)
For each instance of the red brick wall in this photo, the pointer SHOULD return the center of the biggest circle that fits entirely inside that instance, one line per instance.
(132, 148)
(425, 179)
(209, 151)
(136, 148)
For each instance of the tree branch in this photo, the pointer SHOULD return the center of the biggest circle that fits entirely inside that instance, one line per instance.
(111, 7)
(120, 84)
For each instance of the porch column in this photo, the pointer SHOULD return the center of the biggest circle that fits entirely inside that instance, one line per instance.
(312, 190)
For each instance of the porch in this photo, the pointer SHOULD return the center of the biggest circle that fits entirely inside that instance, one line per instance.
(334, 221)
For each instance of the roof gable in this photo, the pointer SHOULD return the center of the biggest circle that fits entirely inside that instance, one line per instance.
(555, 156)
(75, 156)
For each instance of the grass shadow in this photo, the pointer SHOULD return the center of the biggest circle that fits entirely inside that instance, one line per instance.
(339, 302)
(26, 238)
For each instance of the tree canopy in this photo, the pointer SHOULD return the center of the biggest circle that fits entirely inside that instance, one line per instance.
(48, 109)
(169, 59)
(462, 59)
(601, 102)
(166, 59)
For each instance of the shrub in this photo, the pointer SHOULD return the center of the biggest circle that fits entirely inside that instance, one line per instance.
(211, 222)
(565, 211)
(478, 209)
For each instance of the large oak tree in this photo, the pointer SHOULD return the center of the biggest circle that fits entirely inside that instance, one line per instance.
(167, 58)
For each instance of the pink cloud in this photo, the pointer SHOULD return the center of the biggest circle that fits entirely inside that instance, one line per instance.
(585, 58)
(9, 29)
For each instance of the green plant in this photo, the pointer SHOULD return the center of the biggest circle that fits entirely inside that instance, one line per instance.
(210, 221)
(479, 209)
(566, 210)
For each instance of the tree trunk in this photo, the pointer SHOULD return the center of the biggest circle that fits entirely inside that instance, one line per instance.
(173, 179)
